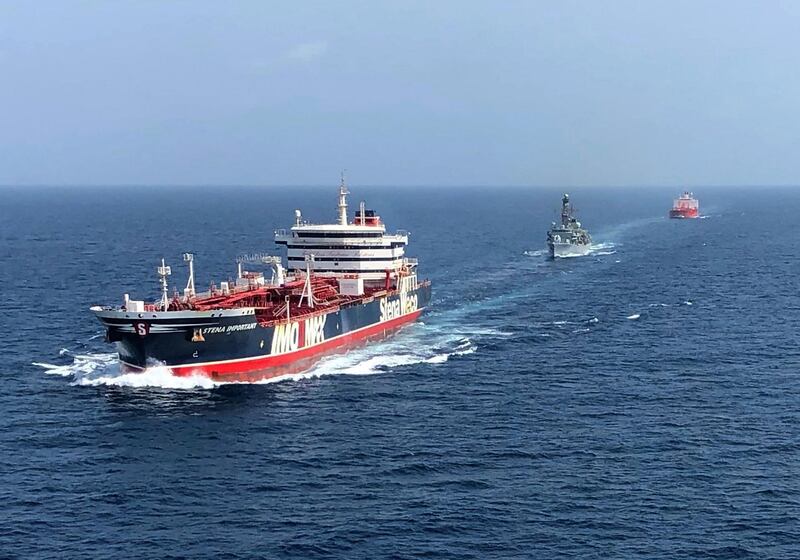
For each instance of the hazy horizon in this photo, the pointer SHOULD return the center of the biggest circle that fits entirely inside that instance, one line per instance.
(353, 187)
(529, 95)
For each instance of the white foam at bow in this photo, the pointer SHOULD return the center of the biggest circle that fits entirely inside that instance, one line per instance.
(155, 376)
(600, 249)
(103, 369)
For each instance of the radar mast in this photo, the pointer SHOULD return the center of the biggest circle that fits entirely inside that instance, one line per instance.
(163, 272)
(343, 192)
(189, 291)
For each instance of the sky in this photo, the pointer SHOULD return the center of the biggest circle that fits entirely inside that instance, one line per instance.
(450, 92)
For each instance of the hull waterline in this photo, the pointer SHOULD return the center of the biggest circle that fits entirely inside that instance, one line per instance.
(236, 347)
(683, 214)
(266, 368)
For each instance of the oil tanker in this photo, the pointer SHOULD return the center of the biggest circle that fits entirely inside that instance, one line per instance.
(685, 206)
(344, 283)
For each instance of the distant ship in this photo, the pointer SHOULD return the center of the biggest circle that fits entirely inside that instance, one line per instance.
(568, 239)
(345, 283)
(685, 206)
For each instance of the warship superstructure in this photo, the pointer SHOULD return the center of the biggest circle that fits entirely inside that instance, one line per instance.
(345, 282)
(568, 239)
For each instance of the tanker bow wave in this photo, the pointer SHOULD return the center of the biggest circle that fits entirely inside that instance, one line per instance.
(344, 283)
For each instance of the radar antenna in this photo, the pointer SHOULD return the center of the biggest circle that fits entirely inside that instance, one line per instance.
(566, 211)
(163, 272)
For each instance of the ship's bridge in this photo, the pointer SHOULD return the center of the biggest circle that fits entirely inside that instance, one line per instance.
(360, 247)
(350, 249)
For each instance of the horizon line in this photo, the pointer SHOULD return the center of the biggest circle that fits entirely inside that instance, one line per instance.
(389, 185)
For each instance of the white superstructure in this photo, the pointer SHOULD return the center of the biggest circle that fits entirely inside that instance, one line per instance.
(360, 249)
(686, 201)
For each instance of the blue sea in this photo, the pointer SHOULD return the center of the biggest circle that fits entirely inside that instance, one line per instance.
(639, 402)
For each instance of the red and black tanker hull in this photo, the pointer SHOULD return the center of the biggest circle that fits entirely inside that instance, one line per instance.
(683, 213)
(234, 346)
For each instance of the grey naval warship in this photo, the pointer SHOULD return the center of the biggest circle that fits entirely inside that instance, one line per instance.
(568, 239)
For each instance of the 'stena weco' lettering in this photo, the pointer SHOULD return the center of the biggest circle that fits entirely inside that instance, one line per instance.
(391, 309)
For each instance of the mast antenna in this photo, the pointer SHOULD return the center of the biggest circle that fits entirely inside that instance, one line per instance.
(566, 210)
(343, 192)
(163, 272)
(308, 293)
(189, 258)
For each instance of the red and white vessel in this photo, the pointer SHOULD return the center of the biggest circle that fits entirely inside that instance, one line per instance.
(685, 206)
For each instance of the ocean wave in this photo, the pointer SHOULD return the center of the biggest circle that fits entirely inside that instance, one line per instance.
(154, 376)
(634, 316)
(538, 253)
(81, 364)
(385, 357)
(104, 369)
(601, 249)
(597, 249)
(561, 323)
(483, 332)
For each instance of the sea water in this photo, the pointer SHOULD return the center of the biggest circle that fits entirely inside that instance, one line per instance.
(638, 402)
